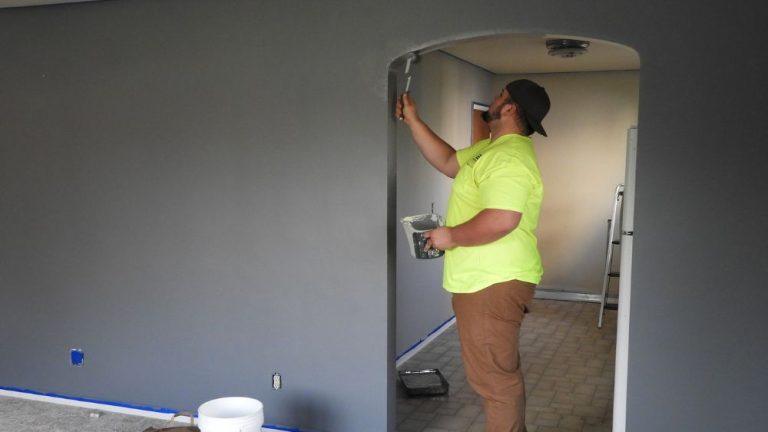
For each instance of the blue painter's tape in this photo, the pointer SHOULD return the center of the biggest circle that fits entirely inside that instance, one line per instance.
(123, 405)
(77, 356)
(282, 428)
(96, 401)
(412, 347)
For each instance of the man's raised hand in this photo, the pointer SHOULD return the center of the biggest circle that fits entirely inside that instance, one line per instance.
(406, 109)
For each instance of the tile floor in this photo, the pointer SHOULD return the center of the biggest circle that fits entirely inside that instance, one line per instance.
(20, 415)
(568, 364)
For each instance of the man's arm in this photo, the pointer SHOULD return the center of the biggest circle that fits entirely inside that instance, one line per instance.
(487, 226)
(435, 150)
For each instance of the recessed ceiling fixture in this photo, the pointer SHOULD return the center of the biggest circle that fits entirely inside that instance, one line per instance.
(567, 48)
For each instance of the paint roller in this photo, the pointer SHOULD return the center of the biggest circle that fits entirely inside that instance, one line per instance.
(409, 61)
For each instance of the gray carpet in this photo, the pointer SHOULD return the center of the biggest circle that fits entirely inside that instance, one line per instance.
(20, 415)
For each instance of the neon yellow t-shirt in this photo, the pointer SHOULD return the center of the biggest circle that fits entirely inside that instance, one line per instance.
(502, 174)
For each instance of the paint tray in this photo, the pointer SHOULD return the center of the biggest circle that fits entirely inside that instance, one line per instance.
(427, 382)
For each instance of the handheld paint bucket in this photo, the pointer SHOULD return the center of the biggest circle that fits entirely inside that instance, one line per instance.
(415, 227)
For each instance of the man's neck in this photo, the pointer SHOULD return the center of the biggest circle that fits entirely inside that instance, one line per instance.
(503, 129)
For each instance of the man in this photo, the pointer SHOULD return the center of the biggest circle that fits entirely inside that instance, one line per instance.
(492, 264)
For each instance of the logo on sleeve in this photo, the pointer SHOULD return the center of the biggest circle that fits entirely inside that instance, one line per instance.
(474, 159)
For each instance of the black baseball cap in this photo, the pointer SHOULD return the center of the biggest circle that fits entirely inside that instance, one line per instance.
(533, 99)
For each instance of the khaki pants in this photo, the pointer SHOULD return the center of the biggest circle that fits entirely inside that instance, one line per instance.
(489, 322)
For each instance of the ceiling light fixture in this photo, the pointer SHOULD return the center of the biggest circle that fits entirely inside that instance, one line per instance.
(567, 48)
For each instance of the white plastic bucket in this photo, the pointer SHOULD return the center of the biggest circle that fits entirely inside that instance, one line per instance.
(231, 414)
(416, 225)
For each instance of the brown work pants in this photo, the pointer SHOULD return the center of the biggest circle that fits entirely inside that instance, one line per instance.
(489, 322)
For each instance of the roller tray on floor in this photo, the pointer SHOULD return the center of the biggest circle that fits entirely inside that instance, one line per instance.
(174, 429)
(427, 382)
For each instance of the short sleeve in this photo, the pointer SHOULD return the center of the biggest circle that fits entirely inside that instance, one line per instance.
(504, 182)
(467, 153)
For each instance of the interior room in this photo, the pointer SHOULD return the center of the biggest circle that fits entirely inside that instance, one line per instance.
(201, 200)
(594, 99)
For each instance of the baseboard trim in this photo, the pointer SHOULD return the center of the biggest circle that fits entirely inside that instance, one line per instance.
(552, 294)
(113, 407)
(418, 346)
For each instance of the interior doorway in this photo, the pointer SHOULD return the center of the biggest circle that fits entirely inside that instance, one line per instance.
(589, 150)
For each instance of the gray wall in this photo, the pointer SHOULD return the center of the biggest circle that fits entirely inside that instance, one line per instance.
(443, 89)
(191, 193)
(175, 176)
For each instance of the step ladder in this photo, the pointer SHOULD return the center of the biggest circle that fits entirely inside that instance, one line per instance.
(612, 302)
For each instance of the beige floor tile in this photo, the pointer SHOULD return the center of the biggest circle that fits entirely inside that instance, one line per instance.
(568, 370)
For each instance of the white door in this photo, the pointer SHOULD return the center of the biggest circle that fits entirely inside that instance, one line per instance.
(622, 331)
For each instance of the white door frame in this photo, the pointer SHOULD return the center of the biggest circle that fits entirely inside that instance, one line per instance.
(625, 287)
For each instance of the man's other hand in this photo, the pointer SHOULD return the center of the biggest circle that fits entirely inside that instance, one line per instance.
(406, 109)
(439, 238)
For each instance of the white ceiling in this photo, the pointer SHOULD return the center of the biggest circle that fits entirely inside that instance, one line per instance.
(21, 3)
(526, 53)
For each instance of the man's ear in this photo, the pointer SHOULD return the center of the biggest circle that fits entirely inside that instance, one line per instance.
(509, 108)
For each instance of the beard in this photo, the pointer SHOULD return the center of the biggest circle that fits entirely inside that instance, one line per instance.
(489, 116)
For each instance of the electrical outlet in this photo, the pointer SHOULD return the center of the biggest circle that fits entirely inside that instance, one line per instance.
(76, 357)
(277, 381)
